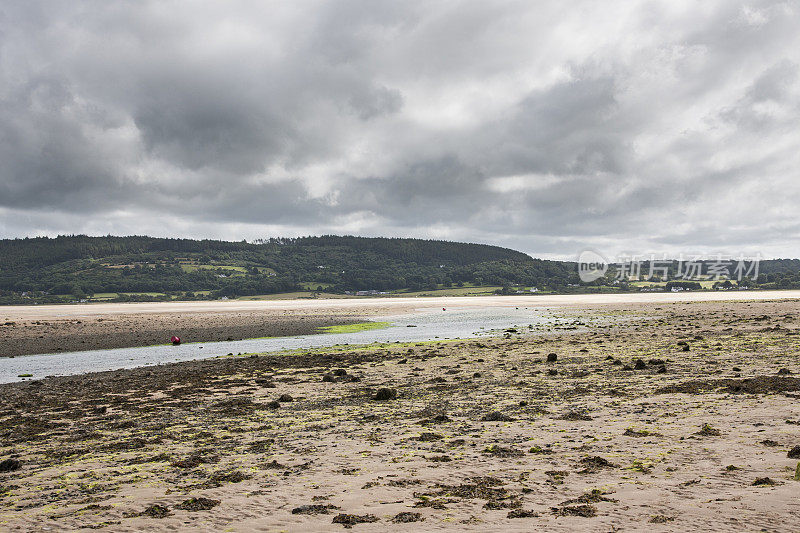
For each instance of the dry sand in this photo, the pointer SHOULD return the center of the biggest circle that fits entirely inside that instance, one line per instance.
(695, 437)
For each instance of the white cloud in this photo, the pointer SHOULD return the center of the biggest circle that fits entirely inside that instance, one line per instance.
(663, 126)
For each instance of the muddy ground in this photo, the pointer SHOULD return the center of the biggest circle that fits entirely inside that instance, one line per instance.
(680, 417)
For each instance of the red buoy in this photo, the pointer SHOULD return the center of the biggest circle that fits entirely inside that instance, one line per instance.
(175, 340)
(443, 309)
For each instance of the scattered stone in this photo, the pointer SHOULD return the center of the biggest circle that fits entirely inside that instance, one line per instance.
(638, 433)
(497, 416)
(639, 365)
(556, 476)
(501, 504)
(275, 465)
(156, 511)
(794, 453)
(349, 520)
(576, 416)
(383, 394)
(552, 358)
(708, 431)
(314, 509)
(197, 504)
(433, 503)
(406, 517)
(586, 511)
(233, 476)
(10, 465)
(595, 463)
(540, 450)
(764, 481)
(285, 398)
(501, 451)
(521, 513)
(438, 419)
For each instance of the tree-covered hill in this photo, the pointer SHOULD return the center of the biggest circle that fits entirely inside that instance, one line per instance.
(68, 268)
(80, 265)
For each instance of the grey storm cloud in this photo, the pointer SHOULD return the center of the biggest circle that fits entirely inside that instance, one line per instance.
(638, 126)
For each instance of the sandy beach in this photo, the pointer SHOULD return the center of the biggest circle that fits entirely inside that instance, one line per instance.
(678, 416)
(53, 328)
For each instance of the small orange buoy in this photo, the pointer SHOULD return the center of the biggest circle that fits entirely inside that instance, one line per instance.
(175, 340)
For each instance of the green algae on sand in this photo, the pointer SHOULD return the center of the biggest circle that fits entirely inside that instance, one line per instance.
(354, 328)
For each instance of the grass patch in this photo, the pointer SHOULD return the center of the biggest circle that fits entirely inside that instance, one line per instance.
(705, 284)
(354, 328)
(232, 268)
(450, 291)
(292, 296)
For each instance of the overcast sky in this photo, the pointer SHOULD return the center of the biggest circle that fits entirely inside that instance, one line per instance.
(548, 127)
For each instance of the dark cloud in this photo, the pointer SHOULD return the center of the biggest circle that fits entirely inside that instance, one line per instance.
(649, 127)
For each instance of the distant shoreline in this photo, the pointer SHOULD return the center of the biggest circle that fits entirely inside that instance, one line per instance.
(466, 292)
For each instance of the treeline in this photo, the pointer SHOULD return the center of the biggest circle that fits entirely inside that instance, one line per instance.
(79, 265)
(140, 268)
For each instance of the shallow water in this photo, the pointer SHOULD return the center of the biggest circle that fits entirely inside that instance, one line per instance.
(430, 325)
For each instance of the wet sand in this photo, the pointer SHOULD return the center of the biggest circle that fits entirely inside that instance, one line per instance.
(680, 417)
(52, 328)
(93, 330)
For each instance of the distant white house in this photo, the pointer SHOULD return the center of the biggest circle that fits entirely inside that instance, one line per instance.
(369, 293)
